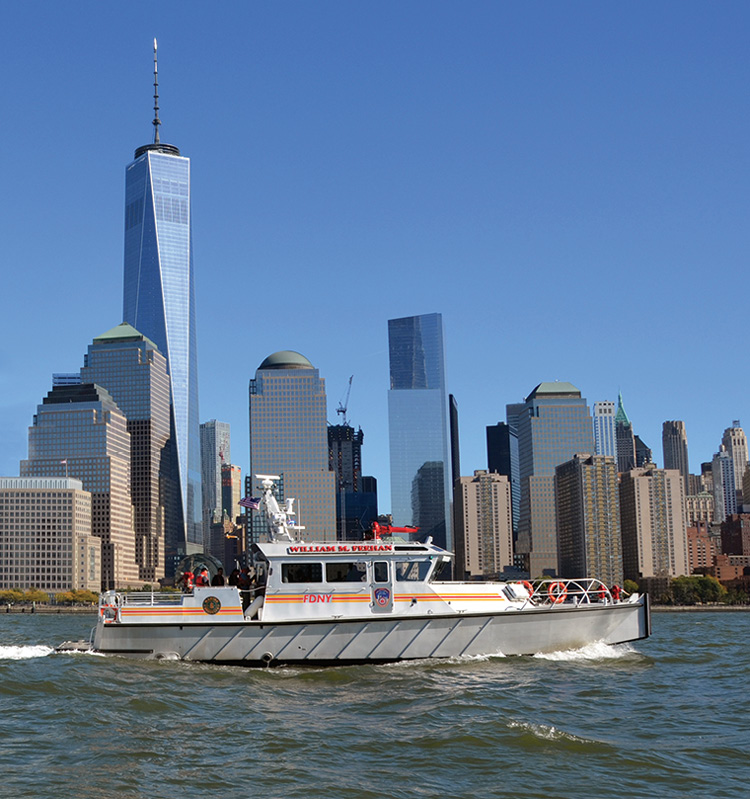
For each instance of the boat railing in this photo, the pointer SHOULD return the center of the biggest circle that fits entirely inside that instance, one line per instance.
(585, 591)
(151, 598)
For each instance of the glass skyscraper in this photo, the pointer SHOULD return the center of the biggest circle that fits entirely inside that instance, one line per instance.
(159, 301)
(418, 427)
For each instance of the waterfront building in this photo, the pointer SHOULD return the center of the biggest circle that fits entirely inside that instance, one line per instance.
(653, 523)
(356, 508)
(215, 452)
(588, 518)
(484, 525)
(625, 439)
(735, 441)
(288, 437)
(605, 439)
(134, 373)
(735, 534)
(553, 425)
(418, 427)
(725, 493)
(159, 301)
(701, 547)
(675, 450)
(78, 431)
(502, 458)
(45, 535)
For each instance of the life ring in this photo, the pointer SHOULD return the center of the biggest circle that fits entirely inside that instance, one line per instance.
(557, 592)
(528, 586)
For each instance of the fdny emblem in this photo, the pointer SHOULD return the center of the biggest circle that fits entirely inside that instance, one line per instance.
(382, 596)
(211, 605)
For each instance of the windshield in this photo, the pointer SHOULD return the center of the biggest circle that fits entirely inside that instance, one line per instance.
(413, 570)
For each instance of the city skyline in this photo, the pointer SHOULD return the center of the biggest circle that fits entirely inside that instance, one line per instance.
(441, 174)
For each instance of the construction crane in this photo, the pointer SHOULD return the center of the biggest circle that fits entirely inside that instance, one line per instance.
(341, 410)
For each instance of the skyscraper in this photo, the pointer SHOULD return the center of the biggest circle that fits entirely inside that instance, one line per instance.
(588, 518)
(134, 372)
(79, 432)
(553, 425)
(159, 299)
(735, 441)
(288, 438)
(502, 458)
(356, 508)
(675, 448)
(215, 452)
(418, 427)
(725, 494)
(625, 439)
(604, 428)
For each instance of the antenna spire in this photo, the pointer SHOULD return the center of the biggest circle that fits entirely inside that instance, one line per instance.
(157, 121)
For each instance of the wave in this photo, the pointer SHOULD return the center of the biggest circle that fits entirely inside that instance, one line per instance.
(595, 651)
(25, 652)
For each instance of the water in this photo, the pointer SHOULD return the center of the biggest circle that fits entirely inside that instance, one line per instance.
(667, 717)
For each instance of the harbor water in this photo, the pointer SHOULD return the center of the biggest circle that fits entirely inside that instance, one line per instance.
(666, 717)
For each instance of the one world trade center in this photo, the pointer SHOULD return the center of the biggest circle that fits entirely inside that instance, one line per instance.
(159, 301)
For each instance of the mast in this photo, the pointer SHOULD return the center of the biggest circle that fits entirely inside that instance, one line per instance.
(157, 121)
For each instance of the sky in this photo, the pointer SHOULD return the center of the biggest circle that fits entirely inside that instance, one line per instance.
(567, 183)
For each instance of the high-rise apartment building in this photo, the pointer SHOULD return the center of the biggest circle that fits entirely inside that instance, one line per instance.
(45, 535)
(134, 373)
(484, 528)
(725, 493)
(699, 509)
(675, 449)
(79, 432)
(159, 301)
(605, 439)
(215, 452)
(502, 458)
(735, 441)
(625, 439)
(652, 515)
(418, 427)
(553, 424)
(588, 518)
(288, 437)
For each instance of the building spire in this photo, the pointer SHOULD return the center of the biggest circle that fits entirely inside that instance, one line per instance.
(157, 121)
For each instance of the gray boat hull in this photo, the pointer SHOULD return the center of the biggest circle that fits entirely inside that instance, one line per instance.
(382, 639)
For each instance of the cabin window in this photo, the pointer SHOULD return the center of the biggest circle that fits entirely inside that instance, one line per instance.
(412, 571)
(301, 573)
(380, 571)
(346, 572)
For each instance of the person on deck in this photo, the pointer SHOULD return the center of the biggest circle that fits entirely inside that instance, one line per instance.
(218, 578)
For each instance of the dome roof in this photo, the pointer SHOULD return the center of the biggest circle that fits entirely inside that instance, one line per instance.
(286, 359)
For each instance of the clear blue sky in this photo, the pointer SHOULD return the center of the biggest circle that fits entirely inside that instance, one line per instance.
(566, 182)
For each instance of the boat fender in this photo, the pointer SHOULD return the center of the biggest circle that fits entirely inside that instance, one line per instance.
(557, 592)
(267, 658)
(528, 586)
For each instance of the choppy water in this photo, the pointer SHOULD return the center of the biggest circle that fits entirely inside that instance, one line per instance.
(667, 717)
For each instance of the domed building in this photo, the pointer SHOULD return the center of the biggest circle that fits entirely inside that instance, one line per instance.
(289, 437)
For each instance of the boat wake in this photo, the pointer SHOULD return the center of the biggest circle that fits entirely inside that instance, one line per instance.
(594, 651)
(25, 652)
(547, 732)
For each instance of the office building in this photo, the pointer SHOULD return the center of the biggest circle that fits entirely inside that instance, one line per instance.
(735, 534)
(66, 379)
(45, 535)
(553, 425)
(643, 454)
(624, 438)
(288, 438)
(502, 458)
(725, 493)
(652, 515)
(134, 373)
(231, 491)
(484, 527)
(215, 452)
(418, 427)
(159, 301)
(356, 508)
(588, 518)
(675, 450)
(78, 431)
(735, 441)
(605, 439)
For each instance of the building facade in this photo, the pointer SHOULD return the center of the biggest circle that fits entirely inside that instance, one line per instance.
(79, 432)
(134, 373)
(553, 425)
(418, 427)
(484, 526)
(215, 452)
(159, 301)
(625, 439)
(674, 445)
(45, 535)
(725, 493)
(735, 442)
(588, 518)
(288, 438)
(356, 508)
(605, 439)
(502, 458)
(653, 521)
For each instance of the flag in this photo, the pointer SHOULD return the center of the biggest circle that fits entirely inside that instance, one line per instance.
(65, 461)
(250, 502)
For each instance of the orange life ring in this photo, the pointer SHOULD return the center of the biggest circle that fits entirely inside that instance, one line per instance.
(528, 586)
(557, 592)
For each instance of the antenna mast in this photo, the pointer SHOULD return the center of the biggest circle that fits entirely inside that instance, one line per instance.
(157, 121)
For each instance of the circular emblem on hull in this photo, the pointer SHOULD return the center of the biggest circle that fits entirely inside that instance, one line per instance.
(211, 605)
